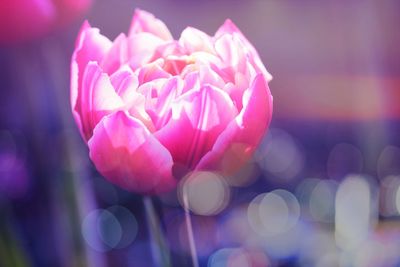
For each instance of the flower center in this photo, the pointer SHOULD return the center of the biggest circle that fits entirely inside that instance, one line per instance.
(175, 64)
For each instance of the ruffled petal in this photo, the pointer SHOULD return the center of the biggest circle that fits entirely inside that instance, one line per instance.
(209, 76)
(126, 85)
(238, 142)
(124, 80)
(167, 49)
(116, 56)
(169, 92)
(191, 81)
(195, 40)
(98, 98)
(90, 46)
(127, 154)
(229, 28)
(237, 89)
(232, 53)
(141, 48)
(152, 71)
(146, 22)
(198, 118)
(206, 58)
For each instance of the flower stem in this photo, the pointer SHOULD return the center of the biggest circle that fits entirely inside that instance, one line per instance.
(159, 247)
(189, 230)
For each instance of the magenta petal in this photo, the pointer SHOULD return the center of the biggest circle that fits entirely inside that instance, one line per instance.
(98, 98)
(158, 95)
(191, 81)
(116, 56)
(168, 49)
(151, 72)
(236, 144)
(170, 91)
(257, 107)
(146, 22)
(126, 84)
(198, 118)
(229, 28)
(208, 76)
(141, 48)
(124, 80)
(232, 52)
(90, 46)
(126, 153)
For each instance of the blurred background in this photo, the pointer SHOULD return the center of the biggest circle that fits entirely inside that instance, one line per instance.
(323, 189)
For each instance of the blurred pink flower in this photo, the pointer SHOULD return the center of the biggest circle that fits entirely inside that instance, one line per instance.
(152, 108)
(22, 20)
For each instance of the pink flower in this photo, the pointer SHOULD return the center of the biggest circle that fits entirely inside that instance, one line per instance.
(152, 108)
(22, 20)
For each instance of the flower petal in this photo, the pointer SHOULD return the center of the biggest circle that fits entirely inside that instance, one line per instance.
(136, 50)
(141, 48)
(90, 46)
(237, 143)
(123, 80)
(168, 49)
(116, 56)
(126, 84)
(152, 71)
(169, 92)
(98, 98)
(229, 28)
(209, 76)
(191, 81)
(128, 155)
(195, 40)
(146, 22)
(198, 118)
(231, 52)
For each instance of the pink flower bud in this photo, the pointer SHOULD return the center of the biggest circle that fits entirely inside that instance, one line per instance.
(152, 108)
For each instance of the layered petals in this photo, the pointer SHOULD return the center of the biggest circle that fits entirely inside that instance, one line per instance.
(152, 72)
(135, 50)
(146, 22)
(90, 46)
(195, 40)
(197, 121)
(125, 152)
(229, 28)
(116, 55)
(153, 109)
(237, 143)
(141, 48)
(98, 98)
(232, 53)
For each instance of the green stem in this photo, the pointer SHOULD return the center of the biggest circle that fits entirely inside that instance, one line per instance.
(11, 253)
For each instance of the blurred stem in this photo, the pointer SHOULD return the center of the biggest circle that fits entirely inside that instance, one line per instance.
(189, 230)
(78, 199)
(159, 248)
(11, 253)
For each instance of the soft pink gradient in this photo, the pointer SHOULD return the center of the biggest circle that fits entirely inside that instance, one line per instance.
(153, 108)
(21, 20)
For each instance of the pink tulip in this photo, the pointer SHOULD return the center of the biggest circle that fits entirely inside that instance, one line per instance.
(152, 108)
(22, 20)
